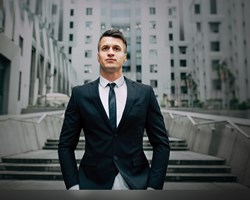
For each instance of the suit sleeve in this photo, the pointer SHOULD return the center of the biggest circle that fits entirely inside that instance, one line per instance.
(158, 137)
(68, 141)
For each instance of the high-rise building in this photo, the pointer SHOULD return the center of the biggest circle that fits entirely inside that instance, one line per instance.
(157, 35)
(32, 62)
(221, 52)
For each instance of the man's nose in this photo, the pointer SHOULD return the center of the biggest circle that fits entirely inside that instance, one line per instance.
(110, 52)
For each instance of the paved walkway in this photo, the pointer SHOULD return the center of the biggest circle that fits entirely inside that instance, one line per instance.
(59, 185)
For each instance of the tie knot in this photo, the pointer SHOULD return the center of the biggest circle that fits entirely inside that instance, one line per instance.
(111, 85)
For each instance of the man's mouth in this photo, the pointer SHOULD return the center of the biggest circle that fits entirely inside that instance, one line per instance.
(110, 60)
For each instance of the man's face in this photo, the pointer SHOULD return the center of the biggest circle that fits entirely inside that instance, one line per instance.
(111, 54)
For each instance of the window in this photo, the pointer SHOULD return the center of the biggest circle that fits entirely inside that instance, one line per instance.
(170, 24)
(172, 62)
(215, 46)
(215, 64)
(71, 37)
(171, 49)
(71, 24)
(183, 63)
(172, 90)
(88, 39)
(182, 49)
(88, 54)
(128, 55)
(197, 9)
(172, 76)
(198, 27)
(170, 37)
(152, 25)
(214, 27)
(183, 76)
(153, 53)
(138, 68)
(152, 11)
(71, 12)
(184, 90)
(88, 25)
(21, 44)
(70, 50)
(213, 7)
(138, 39)
(152, 39)
(154, 83)
(126, 68)
(172, 11)
(54, 9)
(216, 84)
(87, 69)
(138, 54)
(19, 86)
(89, 11)
(153, 68)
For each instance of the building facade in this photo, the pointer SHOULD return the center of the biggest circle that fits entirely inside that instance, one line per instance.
(157, 35)
(192, 52)
(221, 52)
(32, 62)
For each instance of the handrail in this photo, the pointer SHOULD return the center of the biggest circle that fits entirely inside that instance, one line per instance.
(207, 122)
(239, 129)
(23, 118)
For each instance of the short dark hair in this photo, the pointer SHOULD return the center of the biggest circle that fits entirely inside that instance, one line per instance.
(115, 33)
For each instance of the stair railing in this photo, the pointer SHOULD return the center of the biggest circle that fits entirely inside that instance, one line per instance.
(28, 118)
(190, 117)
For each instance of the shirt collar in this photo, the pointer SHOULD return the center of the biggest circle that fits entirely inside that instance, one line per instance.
(119, 82)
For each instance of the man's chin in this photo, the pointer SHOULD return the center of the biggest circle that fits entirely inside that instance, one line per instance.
(111, 69)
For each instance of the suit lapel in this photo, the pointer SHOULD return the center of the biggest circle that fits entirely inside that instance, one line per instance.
(94, 92)
(131, 94)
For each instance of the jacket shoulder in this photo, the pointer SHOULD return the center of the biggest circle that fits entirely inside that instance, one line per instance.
(139, 85)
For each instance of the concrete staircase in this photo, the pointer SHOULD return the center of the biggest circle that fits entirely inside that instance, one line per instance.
(176, 144)
(184, 165)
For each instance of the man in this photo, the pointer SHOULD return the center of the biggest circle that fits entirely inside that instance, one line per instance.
(113, 119)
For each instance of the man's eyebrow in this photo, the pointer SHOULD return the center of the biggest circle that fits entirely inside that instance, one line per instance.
(110, 45)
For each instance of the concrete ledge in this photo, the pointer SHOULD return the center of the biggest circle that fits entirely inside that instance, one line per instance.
(214, 135)
(29, 132)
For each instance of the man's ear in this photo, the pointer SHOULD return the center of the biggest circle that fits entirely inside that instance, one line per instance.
(98, 57)
(125, 58)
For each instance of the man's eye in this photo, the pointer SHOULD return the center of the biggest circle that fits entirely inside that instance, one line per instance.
(116, 49)
(105, 48)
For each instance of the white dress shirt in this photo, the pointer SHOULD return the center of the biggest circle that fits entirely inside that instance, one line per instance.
(121, 97)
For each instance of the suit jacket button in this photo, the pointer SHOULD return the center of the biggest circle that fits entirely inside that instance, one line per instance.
(115, 158)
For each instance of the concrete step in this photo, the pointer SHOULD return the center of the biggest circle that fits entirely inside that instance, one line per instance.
(170, 177)
(184, 166)
(30, 175)
(171, 168)
(55, 160)
(175, 144)
(147, 148)
(200, 177)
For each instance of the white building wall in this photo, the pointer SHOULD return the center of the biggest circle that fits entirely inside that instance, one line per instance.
(79, 61)
(232, 17)
(21, 23)
(162, 59)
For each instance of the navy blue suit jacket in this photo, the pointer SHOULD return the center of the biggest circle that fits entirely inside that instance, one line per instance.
(109, 150)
